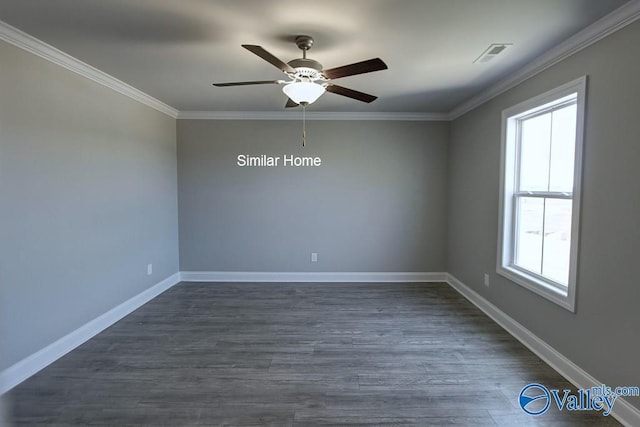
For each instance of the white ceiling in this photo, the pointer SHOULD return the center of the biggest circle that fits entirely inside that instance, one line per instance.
(174, 49)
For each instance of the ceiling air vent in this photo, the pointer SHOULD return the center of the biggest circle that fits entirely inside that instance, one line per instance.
(491, 52)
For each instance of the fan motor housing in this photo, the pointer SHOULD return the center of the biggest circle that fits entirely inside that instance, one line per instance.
(306, 63)
(307, 68)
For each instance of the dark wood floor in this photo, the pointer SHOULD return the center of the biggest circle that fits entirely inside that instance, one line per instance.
(295, 354)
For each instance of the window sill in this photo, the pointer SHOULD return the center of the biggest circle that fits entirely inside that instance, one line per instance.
(545, 290)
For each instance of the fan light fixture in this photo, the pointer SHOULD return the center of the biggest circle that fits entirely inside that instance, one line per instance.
(303, 93)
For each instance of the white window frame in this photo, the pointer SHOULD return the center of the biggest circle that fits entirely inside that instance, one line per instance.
(542, 286)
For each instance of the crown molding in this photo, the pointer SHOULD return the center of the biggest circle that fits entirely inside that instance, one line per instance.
(310, 115)
(43, 50)
(607, 25)
(37, 47)
(600, 29)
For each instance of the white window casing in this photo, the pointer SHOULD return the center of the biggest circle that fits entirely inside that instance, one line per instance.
(512, 195)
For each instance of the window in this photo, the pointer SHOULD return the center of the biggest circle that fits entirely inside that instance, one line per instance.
(540, 192)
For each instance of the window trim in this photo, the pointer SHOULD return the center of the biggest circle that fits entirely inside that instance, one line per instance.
(506, 222)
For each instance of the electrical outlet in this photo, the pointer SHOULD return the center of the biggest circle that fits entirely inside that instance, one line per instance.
(314, 257)
(149, 269)
(486, 280)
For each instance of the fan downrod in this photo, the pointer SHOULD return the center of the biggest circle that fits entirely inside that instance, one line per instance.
(304, 43)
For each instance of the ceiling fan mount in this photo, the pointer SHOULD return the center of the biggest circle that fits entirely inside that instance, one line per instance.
(309, 79)
(304, 43)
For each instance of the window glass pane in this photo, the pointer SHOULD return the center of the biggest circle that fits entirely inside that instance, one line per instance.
(535, 143)
(563, 141)
(528, 242)
(557, 240)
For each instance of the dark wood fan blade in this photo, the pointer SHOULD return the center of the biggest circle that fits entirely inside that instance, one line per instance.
(375, 64)
(290, 103)
(350, 93)
(259, 50)
(258, 82)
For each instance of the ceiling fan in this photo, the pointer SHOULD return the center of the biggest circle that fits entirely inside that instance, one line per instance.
(308, 80)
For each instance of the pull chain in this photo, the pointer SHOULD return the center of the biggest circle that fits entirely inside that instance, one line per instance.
(304, 126)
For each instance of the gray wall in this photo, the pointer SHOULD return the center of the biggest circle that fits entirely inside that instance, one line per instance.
(377, 203)
(88, 199)
(602, 337)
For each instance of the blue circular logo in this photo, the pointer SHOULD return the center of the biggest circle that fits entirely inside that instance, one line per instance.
(534, 399)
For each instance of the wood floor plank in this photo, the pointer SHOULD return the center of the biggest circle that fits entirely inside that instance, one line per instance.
(295, 354)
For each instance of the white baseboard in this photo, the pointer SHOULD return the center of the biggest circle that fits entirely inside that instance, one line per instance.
(30, 365)
(15, 374)
(254, 276)
(623, 411)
